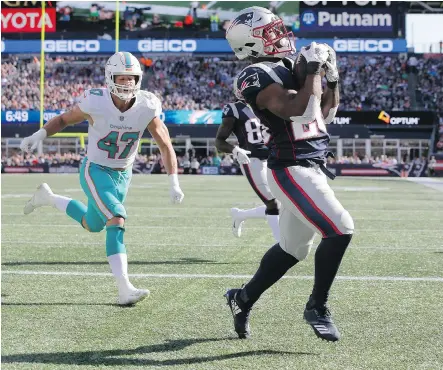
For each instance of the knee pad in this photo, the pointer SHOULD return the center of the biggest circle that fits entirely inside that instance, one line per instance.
(296, 249)
(347, 223)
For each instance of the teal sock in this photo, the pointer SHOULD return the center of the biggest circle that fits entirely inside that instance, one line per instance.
(114, 240)
(76, 210)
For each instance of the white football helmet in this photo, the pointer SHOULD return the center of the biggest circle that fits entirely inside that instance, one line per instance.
(123, 63)
(257, 32)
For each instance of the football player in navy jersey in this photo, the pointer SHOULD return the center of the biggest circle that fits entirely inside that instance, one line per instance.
(238, 118)
(296, 110)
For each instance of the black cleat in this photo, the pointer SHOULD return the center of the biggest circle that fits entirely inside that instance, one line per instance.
(241, 317)
(321, 321)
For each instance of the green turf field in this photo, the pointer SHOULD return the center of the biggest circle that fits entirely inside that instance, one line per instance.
(58, 297)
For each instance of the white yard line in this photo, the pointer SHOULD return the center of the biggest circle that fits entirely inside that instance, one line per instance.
(247, 205)
(63, 244)
(436, 184)
(221, 276)
(148, 216)
(168, 227)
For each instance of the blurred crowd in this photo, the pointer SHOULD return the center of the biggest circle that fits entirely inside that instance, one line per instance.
(202, 83)
(189, 162)
(382, 159)
(439, 135)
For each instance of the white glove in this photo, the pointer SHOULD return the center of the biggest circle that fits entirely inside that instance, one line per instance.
(317, 53)
(175, 192)
(331, 72)
(30, 143)
(332, 56)
(241, 155)
(331, 66)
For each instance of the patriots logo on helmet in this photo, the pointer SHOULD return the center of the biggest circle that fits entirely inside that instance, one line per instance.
(250, 81)
(245, 18)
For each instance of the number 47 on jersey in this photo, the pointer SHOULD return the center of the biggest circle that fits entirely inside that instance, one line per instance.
(114, 142)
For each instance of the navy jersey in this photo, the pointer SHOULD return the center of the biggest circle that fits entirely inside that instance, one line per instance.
(251, 135)
(290, 141)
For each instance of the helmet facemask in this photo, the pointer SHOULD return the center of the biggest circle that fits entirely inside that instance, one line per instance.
(277, 41)
(124, 92)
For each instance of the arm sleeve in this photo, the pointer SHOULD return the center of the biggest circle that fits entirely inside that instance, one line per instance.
(251, 81)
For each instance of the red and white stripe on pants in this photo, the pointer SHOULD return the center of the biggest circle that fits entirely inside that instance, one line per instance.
(255, 172)
(308, 206)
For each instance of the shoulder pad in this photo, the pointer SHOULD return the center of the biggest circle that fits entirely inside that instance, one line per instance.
(149, 100)
(232, 109)
(91, 100)
(255, 78)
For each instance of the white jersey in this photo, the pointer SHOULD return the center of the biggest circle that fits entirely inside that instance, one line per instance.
(114, 136)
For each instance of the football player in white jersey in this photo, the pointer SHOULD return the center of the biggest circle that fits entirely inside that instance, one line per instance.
(117, 115)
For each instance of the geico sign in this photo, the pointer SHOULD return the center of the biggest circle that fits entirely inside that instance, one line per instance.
(345, 19)
(27, 20)
(370, 46)
(70, 46)
(167, 45)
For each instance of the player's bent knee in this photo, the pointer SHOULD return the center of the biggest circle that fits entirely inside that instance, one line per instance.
(116, 221)
(297, 250)
(92, 228)
(347, 223)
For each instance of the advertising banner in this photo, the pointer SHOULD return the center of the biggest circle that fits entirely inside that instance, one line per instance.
(206, 117)
(27, 20)
(186, 46)
(340, 20)
(380, 169)
(214, 117)
(350, 18)
(386, 118)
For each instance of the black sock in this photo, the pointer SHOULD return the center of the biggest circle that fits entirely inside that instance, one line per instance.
(274, 264)
(327, 261)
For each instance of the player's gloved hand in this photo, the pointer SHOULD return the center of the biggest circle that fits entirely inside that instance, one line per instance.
(316, 56)
(175, 192)
(241, 155)
(331, 72)
(30, 143)
(331, 69)
(332, 58)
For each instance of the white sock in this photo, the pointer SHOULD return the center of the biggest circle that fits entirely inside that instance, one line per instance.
(119, 268)
(60, 202)
(273, 224)
(258, 212)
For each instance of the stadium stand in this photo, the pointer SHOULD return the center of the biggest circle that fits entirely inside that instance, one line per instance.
(204, 83)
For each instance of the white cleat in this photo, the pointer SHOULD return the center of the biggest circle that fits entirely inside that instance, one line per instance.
(131, 297)
(237, 222)
(42, 197)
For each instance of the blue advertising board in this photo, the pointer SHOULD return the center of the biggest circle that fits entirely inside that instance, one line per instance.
(341, 45)
(209, 117)
(168, 116)
(347, 20)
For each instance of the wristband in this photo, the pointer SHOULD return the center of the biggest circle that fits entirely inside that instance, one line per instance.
(332, 85)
